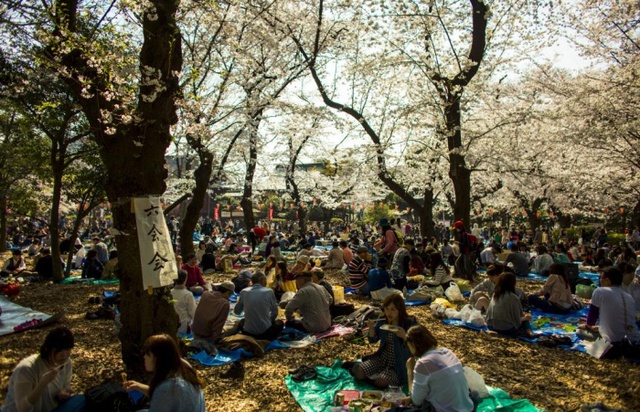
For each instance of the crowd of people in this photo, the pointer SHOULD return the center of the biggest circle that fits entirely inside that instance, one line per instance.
(381, 264)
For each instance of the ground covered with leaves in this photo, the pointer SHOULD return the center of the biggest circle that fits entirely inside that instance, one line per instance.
(553, 379)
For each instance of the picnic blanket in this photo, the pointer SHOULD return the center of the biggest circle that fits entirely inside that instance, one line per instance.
(77, 279)
(352, 291)
(545, 324)
(288, 339)
(317, 394)
(14, 315)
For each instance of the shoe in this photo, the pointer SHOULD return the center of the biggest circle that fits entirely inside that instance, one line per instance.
(304, 373)
(235, 371)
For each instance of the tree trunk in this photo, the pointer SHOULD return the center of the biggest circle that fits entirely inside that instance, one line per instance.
(635, 217)
(302, 218)
(247, 193)
(133, 153)
(458, 172)
(425, 213)
(3, 222)
(72, 242)
(202, 175)
(55, 215)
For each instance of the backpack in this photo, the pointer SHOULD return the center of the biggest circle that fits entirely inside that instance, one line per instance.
(108, 397)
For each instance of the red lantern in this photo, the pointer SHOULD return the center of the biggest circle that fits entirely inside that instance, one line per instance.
(551, 213)
(491, 211)
(292, 206)
(537, 213)
(271, 214)
(606, 210)
(621, 210)
(228, 207)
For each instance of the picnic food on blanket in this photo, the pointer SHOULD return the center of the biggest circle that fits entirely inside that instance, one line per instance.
(390, 328)
(373, 395)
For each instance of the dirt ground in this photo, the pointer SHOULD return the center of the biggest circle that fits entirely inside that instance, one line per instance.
(553, 379)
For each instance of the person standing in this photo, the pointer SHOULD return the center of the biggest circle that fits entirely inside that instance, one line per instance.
(464, 262)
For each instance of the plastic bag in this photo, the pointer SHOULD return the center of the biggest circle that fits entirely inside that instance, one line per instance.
(475, 382)
(585, 291)
(452, 313)
(453, 293)
(443, 302)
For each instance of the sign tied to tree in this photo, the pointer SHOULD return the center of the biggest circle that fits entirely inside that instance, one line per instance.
(158, 260)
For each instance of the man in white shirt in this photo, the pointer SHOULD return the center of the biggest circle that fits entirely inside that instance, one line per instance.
(488, 256)
(185, 303)
(616, 310)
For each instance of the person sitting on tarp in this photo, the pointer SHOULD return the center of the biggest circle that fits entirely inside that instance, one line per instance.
(44, 267)
(380, 285)
(435, 375)
(519, 260)
(630, 282)
(312, 302)
(615, 309)
(440, 272)
(195, 281)
(505, 314)
(15, 266)
(208, 262)
(388, 365)
(482, 293)
(92, 268)
(556, 292)
(317, 276)
(42, 382)
(260, 308)
(542, 261)
(210, 317)
(359, 270)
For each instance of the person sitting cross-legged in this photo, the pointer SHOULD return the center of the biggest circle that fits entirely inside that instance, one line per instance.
(195, 282)
(505, 314)
(387, 366)
(556, 292)
(260, 307)
(210, 317)
(312, 302)
(616, 310)
(92, 268)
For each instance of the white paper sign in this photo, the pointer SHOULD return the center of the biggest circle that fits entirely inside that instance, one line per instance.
(158, 261)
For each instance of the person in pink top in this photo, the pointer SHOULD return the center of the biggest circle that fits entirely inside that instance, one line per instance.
(347, 253)
(195, 282)
(390, 243)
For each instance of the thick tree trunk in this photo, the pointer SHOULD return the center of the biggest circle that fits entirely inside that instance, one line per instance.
(425, 213)
(458, 172)
(133, 153)
(302, 218)
(202, 175)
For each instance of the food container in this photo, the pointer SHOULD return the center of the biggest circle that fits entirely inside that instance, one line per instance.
(374, 396)
(348, 396)
(338, 294)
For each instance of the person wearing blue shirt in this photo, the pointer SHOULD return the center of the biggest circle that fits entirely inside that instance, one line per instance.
(260, 309)
(380, 284)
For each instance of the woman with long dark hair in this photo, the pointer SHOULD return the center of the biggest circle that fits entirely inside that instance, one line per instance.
(505, 314)
(174, 384)
(555, 296)
(440, 272)
(387, 366)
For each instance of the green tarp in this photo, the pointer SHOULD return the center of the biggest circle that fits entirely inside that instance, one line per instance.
(70, 280)
(317, 395)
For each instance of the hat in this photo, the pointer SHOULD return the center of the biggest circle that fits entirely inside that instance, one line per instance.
(458, 224)
(303, 259)
(228, 285)
(384, 222)
(362, 249)
(382, 262)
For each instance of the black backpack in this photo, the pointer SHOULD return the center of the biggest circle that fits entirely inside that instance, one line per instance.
(108, 397)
